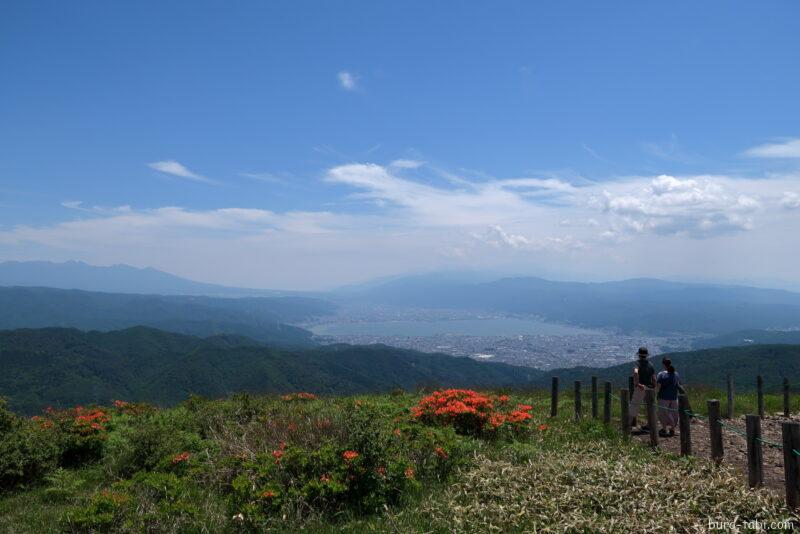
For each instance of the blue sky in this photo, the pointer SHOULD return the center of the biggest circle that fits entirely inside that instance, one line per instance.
(257, 139)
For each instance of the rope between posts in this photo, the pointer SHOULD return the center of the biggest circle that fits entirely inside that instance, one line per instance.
(723, 424)
(762, 440)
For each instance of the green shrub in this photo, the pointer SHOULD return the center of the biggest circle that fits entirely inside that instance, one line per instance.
(151, 441)
(62, 485)
(27, 451)
(104, 512)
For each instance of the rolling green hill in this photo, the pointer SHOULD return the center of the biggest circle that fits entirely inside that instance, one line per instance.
(742, 338)
(708, 367)
(61, 367)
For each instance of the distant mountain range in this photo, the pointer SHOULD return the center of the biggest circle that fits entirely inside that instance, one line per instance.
(630, 306)
(115, 279)
(644, 306)
(262, 319)
(65, 367)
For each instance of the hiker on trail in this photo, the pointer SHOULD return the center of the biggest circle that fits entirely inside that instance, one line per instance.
(668, 385)
(644, 377)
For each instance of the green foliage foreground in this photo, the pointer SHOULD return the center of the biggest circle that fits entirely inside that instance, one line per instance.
(350, 464)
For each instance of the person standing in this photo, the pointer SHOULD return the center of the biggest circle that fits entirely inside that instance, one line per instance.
(644, 377)
(668, 388)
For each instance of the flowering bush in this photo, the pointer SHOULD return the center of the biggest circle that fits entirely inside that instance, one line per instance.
(470, 412)
(79, 432)
(299, 396)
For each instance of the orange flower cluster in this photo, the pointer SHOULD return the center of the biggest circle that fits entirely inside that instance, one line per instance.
(470, 412)
(269, 494)
(349, 456)
(299, 396)
(441, 453)
(409, 472)
(44, 424)
(90, 421)
(182, 457)
(121, 404)
(278, 453)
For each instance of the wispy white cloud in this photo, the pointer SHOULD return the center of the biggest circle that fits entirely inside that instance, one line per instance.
(787, 148)
(347, 80)
(613, 228)
(174, 168)
(406, 164)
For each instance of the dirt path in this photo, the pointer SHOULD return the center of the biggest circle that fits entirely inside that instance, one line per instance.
(735, 446)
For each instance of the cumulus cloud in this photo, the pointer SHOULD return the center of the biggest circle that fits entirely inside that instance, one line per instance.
(499, 238)
(789, 148)
(347, 80)
(790, 200)
(173, 168)
(695, 207)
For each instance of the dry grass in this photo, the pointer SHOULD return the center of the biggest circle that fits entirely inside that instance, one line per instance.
(597, 490)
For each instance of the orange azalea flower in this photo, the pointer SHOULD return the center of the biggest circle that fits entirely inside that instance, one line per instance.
(182, 457)
(381, 470)
(277, 454)
(441, 453)
(396, 431)
(409, 472)
(543, 427)
(268, 494)
(349, 456)
(503, 398)
(325, 478)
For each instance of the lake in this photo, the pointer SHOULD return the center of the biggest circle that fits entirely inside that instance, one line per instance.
(503, 326)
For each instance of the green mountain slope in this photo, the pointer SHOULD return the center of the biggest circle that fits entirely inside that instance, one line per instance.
(708, 367)
(262, 319)
(750, 337)
(61, 367)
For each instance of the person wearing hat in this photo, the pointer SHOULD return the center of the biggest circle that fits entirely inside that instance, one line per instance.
(644, 377)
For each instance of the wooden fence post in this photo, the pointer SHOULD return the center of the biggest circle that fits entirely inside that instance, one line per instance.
(760, 395)
(715, 430)
(652, 421)
(791, 465)
(607, 404)
(625, 419)
(755, 459)
(786, 412)
(554, 398)
(685, 425)
(594, 397)
(577, 400)
(630, 387)
(730, 397)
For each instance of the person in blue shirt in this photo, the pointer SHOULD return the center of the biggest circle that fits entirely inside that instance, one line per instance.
(668, 388)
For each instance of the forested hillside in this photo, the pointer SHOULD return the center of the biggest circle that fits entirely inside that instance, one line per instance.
(64, 367)
(708, 367)
(263, 319)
